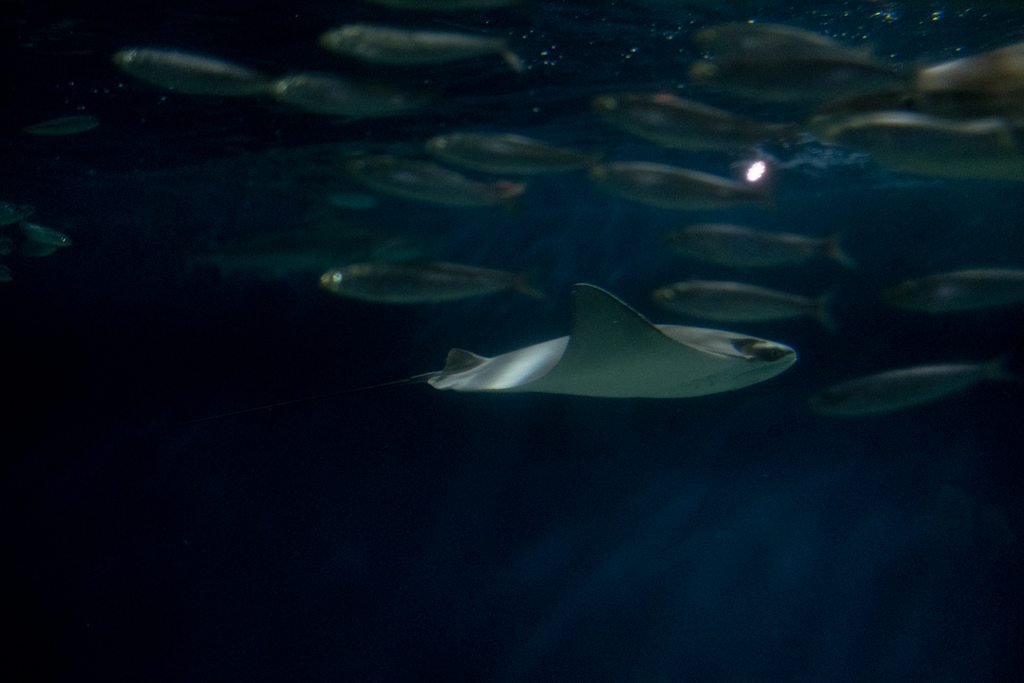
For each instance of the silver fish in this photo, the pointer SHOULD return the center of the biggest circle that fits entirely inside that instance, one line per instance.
(506, 153)
(961, 290)
(12, 213)
(742, 247)
(427, 182)
(66, 125)
(671, 121)
(895, 390)
(192, 74)
(773, 62)
(671, 187)
(929, 145)
(737, 301)
(398, 46)
(322, 93)
(301, 251)
(773, 42)
(41, 241)
(418, 282)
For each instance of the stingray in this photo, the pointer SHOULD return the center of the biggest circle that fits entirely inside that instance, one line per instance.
(612, 352)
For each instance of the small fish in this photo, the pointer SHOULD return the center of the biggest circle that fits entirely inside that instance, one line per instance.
(66, 125)
(12, 213)
(322, 93)
(427, 182)
(742, 247)
(736, 301)
(779, 63)
(192, 74)
(962, 290)
(773, 42)
(299, 251)
(671, 187)
(398, 46)
(41, 241)
(673, 122)
(5, 273)
(506, 153)
(895, 390)
(928, 145)
(419, 282)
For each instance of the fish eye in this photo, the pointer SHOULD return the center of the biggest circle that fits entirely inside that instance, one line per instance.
(336, 276)
(755, 171)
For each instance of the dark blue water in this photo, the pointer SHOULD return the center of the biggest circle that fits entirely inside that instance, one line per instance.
(406, 534)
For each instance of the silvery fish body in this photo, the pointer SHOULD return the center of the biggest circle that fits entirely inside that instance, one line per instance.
(898, 389)
(930, 145)
(772, 41)
(323, 93)
(12, 213)
(192, 74)
(418, 282)
(41, 241)
(742, 247)
(66, 125)
(773, 62)
(427, 182)
(738, 301)
(506, 153)
(671, 121)
(398, 46)
(671, 187)
(962, 290)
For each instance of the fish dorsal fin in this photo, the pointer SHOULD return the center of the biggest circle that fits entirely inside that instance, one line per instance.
(460, 360)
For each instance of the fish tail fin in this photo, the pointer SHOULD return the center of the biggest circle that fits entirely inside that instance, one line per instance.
(834, 251)
(995, 370)
(523, 283)
(822, 313)
(513, 61)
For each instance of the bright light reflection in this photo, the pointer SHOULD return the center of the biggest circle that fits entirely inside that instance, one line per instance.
(755, 171)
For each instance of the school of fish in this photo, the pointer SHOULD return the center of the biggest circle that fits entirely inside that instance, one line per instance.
(961, 119)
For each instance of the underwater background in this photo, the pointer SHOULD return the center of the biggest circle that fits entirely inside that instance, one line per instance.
(407, 534)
